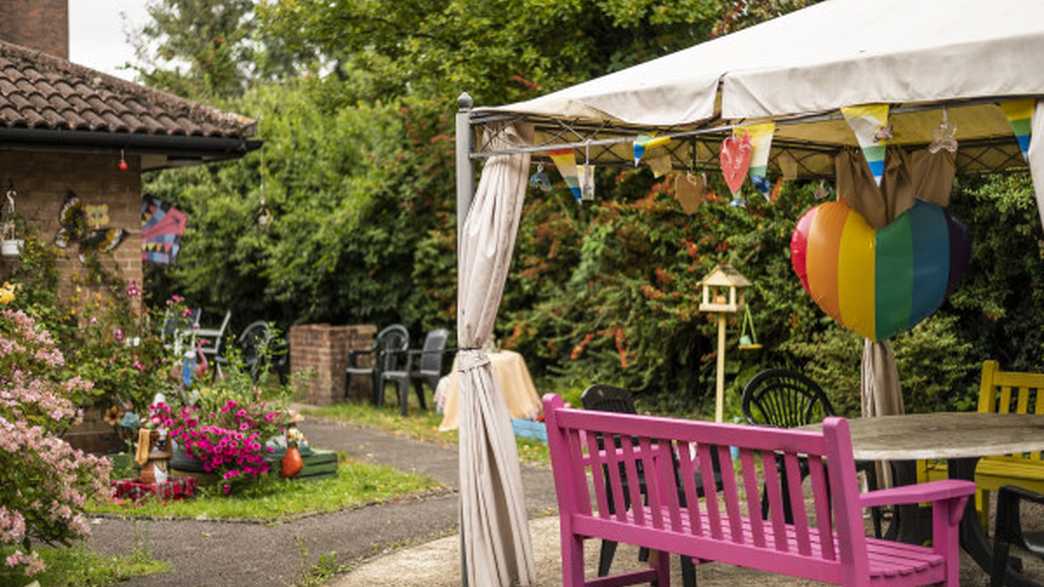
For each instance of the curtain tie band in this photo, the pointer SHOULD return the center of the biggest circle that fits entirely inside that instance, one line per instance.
(469, 359)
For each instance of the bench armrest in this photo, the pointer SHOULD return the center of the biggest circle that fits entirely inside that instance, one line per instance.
(919, 493)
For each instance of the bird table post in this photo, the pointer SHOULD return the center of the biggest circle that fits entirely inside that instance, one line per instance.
(722, 295)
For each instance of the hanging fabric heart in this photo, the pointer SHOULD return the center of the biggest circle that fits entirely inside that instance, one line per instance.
(689, 190)
(735, 161)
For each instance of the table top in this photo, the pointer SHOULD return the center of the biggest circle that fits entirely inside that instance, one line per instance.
(943, 435)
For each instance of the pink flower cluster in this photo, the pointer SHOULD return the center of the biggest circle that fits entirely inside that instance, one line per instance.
(233, 446)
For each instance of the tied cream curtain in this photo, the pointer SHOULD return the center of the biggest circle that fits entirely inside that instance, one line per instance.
(919, 174)
(494, 526)
(1036, 157)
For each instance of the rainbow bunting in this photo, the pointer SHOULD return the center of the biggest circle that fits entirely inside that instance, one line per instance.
(646, 143)
(1020, 116)
(870, 124)
(565, 161)
(760, 136)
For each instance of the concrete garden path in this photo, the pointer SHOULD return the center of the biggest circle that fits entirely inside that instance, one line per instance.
(219, 554)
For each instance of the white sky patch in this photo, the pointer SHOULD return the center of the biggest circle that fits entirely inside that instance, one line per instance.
(98, 33)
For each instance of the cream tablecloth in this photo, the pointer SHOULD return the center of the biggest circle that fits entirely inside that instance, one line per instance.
(513, 380)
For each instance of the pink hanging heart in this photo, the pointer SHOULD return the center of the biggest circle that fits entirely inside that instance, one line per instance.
(735, 161)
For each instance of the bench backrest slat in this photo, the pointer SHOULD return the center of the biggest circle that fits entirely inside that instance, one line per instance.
(687, 470)
(600, 477)
(775, 500)
(750, 486)
(657, 462)
(797, 501)
(821, 500)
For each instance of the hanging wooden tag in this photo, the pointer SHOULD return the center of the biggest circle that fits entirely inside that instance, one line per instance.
(689, 190)
(660, 166)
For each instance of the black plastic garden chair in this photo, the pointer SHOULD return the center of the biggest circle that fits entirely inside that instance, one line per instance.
(387, 351)
(422, 366)
(782, 398)
(606, 398)
(1008, 529)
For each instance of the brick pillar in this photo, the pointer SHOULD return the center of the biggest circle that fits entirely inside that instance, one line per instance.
(322, 350)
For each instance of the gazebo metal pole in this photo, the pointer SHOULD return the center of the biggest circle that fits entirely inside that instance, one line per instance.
(465, 194)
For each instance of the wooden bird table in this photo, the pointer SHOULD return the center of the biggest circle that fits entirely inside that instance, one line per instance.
(960, 439)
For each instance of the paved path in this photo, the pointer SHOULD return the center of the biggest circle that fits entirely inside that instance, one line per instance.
(218, 554)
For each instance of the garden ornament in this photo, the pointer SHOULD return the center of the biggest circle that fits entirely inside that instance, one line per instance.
(879, 282)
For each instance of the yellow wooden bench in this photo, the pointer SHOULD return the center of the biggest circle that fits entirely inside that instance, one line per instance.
(1002, 392)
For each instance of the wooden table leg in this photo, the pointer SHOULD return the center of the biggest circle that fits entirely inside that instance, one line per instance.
(911, 524)
(973, 539)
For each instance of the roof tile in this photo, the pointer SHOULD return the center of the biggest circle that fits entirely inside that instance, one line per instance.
(41, 91)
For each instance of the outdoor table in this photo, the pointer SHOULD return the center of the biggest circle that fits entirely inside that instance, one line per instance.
(960, 439)
(513, 380)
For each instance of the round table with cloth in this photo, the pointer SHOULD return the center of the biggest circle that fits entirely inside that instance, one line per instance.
(512, 379)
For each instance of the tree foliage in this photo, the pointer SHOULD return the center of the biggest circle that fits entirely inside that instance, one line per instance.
(357, 170)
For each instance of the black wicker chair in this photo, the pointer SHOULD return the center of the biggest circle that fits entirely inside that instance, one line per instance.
(606, 398)
(782, 398)
(420, 367)
(386, 354)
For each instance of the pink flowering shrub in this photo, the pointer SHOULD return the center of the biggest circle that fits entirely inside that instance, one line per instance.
(44, 482)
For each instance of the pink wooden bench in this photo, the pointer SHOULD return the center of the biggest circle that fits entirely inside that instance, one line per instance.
(723, 526)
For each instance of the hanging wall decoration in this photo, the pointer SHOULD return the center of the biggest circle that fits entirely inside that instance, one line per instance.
(645, 143)
(97, 216)
(879, 283)
(870, 125)
(1020, 116)
(735, 162)
(75, 225)
(565, 161)
(162, 227)
(760, 137)
(690, 190)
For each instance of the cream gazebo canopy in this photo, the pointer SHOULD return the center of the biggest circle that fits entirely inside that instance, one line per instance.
(925, 59)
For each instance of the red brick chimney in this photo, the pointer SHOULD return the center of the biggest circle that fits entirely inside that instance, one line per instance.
(39, 24)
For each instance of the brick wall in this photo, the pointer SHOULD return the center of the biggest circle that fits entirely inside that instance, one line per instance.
(322, 350)
(40, 24)
(42, 180)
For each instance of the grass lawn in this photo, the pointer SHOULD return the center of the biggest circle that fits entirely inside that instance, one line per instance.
(274, 499)
(77, 566)
(418, 425)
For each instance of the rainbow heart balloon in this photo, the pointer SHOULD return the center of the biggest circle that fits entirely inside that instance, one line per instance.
(879, 283)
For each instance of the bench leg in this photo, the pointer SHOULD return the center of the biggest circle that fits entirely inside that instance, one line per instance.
(572, 560)
(661, 562)
(605, 557)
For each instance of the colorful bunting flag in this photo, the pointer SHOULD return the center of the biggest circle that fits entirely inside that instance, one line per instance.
(1020, 116)
(565, 161)
(870, 125)
(760, 136)
(645, 143)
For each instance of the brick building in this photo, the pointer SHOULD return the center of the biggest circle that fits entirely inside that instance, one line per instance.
(66, 128)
